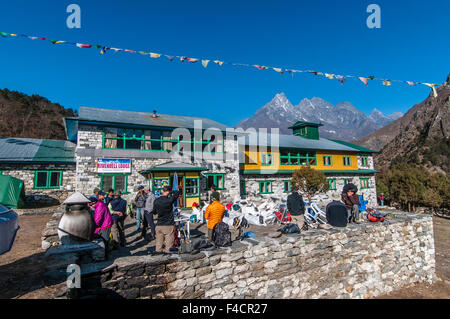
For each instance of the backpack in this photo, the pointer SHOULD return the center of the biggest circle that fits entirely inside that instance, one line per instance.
(176, 240)
(221, 235)
(290, 229)
(282, 218)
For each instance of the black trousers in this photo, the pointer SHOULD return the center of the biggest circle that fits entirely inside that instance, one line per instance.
(148, 221)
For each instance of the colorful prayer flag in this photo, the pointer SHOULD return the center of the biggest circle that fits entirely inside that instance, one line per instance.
(218, 62)
(192, 60)
(278, 70)
(386, 82)
(341, 79)
(432, 86)
(154, 55)
(81, 45)
(363, 80)
(170, 57)
(205, 63)
(330, 76)
(410, 83)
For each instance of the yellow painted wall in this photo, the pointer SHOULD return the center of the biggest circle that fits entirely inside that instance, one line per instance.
(336, 158)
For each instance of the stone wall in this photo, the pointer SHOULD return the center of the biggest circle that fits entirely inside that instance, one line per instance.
(34, 196)
(359, 261)
(253, 195)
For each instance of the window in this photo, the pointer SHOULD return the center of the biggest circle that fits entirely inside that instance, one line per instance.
(266, 158)
(287, 186)
(347, 161)
(158, 140)
(217, 180)
(265, 187)
(191, 187)
(364, 183)
(243, 190)
(291, 157)
(47, 179)
(114, 181)
(327, 161)
(347, 180)
(364, 161)
(332, 182)
(159, 183)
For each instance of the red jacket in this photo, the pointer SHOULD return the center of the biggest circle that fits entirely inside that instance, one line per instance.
(102, 217)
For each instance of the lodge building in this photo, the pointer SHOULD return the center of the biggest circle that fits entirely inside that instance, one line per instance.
(117, 149)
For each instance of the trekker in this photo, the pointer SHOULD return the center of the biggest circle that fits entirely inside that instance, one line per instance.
(351, 201)
(163, 206)
(211, 191)
(110, 196)
(336, 212)
(102, 219)
(140, 203)
(296, 207)
(119, 208)
(148, 216)
(214, 213)
(93, 198)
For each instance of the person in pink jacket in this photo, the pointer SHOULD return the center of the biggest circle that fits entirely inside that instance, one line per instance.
(102, 218)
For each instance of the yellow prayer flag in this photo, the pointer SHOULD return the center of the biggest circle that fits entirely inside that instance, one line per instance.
(60, 42)
(330, 76)
(205, 63)
(386, 82)
(218, 62)
(433, 87)
(155, 55)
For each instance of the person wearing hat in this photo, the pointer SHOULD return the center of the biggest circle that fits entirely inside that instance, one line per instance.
(214, 213)
(351, 201)
(140, 204)
(102, 219)
(118, 208)
(93, 198)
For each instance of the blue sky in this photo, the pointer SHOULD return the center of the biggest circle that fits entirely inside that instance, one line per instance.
(328, 36)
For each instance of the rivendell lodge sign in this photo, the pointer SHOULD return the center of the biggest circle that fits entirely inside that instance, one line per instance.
(114, 165)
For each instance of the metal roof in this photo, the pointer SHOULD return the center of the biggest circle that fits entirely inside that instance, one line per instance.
(14, 149)
(94, 114)
(360, 148)
(293, 141)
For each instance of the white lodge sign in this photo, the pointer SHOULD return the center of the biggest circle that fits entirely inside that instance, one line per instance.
(114, 165)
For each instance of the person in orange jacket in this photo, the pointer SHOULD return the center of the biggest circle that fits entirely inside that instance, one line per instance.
(214, 213)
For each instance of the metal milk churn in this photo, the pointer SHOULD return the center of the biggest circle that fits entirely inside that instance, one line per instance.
(77, 224)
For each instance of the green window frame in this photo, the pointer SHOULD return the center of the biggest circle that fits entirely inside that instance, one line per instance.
(243, 190)
(265, 187)
(191, 187)
(216, 179)
(364, 183)
(298, 158)
(332, 182)
(114, 183)
(364, 161)
(347, 161)
(266, 159)
(135, 140)
(347, 180)
(327, 161)
(287, 186)
(43, 179)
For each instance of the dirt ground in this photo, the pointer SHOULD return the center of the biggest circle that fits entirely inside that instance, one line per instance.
(22, 268)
